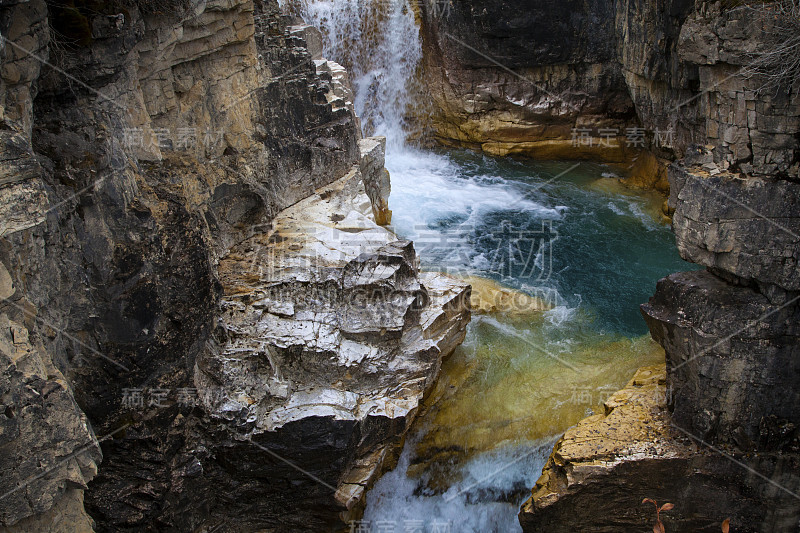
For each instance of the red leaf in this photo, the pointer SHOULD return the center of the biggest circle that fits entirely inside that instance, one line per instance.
(648, 500)
(667, 507)
(726, 525)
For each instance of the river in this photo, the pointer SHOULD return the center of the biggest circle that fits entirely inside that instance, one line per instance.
(565, 232)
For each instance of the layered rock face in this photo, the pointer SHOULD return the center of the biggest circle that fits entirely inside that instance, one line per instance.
(146, 147)
(731, 332)
(602, 469)
(517, 78)
(605, 80)
(728, 429)
(328, 332)
(688, 70)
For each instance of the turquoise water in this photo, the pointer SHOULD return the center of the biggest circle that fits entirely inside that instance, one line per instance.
(564, 232)
(610, 247)
(519, 381)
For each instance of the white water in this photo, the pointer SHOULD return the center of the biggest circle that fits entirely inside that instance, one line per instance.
(432, 203)
(378, 42)
(447, 204)
(467, 506)
(440, 209)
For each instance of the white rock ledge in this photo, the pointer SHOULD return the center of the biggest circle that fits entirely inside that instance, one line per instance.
(328, 316)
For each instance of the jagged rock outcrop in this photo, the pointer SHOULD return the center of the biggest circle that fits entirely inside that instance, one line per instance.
(729, 222)
(142, 143)
(377, 181)
(49, 450)
(726, 443)
(327, 322)
(730, 332)
(602, 469)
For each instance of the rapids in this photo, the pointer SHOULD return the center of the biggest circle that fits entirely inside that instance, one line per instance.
(565, 232)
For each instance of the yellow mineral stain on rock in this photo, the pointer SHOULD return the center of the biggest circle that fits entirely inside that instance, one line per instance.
(648, 172)
(502, 387)
(634, 422)
(560, 149)
(655, 204)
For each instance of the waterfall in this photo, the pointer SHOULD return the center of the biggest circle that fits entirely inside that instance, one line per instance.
(503, 394)
(378, 42)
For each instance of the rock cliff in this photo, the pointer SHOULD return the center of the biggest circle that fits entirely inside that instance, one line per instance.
(632, 81)
(519, 77)
(169, 311)
(728, 426)
(602, 469)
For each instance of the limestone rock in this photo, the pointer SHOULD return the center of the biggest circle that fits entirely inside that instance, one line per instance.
(747, 227)
(489, 297)
(731, 356)
(311, 37)
(376, 178)
(672, 72)
(186, 134)
(23, 201)
(553, 71)
(327, 318)
(6, 283)
(48, 448)
(602, 469)
(66, 516)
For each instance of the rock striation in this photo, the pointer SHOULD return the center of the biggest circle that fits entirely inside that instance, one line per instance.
(148, 150)
(519, 79)
(631, 82)
(602, 469)
(729, 422)
(328, 324)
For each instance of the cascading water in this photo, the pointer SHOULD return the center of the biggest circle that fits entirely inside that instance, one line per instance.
(378, 42)
(518, 381)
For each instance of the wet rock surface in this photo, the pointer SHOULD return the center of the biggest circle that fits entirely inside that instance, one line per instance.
(570, 81)
(602, 469)
(162, 139)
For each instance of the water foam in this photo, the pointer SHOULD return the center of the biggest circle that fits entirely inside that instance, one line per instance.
(378, 42)
(487, 498)
(452, 199)
(429, 190)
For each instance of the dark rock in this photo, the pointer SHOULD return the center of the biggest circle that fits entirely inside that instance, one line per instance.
(602, 469)
(160, 143)
(747, 227)
(518, 77)
(732, 356)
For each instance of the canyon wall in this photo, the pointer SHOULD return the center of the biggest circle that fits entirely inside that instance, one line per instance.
(633, 81)
(163, 297)
(717, 436)
(519, 77)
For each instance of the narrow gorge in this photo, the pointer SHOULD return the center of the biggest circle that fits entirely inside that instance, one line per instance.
(397, 265)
